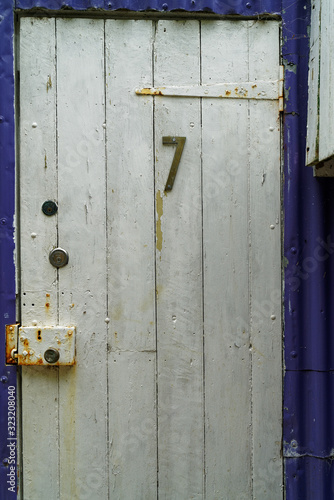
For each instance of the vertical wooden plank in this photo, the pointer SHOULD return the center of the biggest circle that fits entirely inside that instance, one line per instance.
(179, 267)
(131, 266)
(83, 399)
(265, 267)
(226, 287)
(130, 185)
(326, 110)
(38, 234)
(133, 441)
(312, 146)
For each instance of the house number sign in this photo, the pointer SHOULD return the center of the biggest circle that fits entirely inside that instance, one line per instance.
(179, 143)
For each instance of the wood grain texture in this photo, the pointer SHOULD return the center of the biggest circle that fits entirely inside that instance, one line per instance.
(176, 392)
(226, 281)
(265, 268)
(38, 234)
(133, 445)
(38, 167)
(326, 109)
(130, 186)
(312, 144)
(83, 403)
(131, 269)
(179, 268)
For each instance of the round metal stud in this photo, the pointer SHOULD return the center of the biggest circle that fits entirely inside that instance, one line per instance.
(58, 257)
(51, 355)
(49, 208)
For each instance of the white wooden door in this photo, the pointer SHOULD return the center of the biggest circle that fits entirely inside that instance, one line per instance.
(176, 390)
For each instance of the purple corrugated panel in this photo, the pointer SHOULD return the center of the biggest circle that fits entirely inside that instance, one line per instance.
(239, 7)
(311, 479)
(7, 277)
(309, 278)
(309, 229)
(309, 244)
(308, 414)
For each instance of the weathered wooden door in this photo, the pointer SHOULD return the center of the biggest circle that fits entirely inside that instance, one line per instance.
(175, 294)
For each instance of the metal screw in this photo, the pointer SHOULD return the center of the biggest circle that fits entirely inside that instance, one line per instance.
(4, 379)
(2, 119)
(51, 355)
(3, 221)
(248, 5)
(164, 6)
(5, 462)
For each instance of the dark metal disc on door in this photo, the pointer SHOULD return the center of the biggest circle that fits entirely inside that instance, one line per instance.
(51, 355)
(58, 257)
(49, 208)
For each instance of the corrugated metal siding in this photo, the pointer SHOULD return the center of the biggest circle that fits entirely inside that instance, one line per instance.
(309, 400)
(309, 278)
(240, 7)
(7, 272)
(308, 237)
(309, 478)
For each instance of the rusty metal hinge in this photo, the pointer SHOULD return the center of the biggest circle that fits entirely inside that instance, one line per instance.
(40, 345)
(11, 344)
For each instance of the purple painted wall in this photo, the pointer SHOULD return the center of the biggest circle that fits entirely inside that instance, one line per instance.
(308, 242)
(7, 272)
(309, 278)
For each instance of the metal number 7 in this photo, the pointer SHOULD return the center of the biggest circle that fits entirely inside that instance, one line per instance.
(179, 143)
